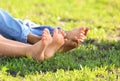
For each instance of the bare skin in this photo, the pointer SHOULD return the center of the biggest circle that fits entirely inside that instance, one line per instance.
(12, 48)
(43, 49)
(75, 37)
(77, 34)
(38, 53)
(58, 41)
(17, 49)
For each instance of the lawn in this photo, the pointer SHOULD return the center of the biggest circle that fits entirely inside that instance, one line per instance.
(96, 59)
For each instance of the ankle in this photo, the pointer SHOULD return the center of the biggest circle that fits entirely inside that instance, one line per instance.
(32, 39)
(29, 51)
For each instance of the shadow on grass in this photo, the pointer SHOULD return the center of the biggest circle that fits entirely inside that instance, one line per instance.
(91, 54)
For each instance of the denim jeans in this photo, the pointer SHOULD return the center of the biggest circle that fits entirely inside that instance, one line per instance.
(17, 29)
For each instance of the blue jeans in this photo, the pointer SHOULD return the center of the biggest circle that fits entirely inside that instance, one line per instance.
(18, 30)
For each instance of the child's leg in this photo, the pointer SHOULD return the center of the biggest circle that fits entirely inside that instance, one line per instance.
(14, 48)
(12, 28)
(37, 30)
(36, 33)
(23, 31)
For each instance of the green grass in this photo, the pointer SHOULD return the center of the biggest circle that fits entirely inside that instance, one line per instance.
(97, 59)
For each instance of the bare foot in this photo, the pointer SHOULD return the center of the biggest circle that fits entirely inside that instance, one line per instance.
(75, 37)
(77, 34)
(58, 41)
(38, 49)
(68, 45)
